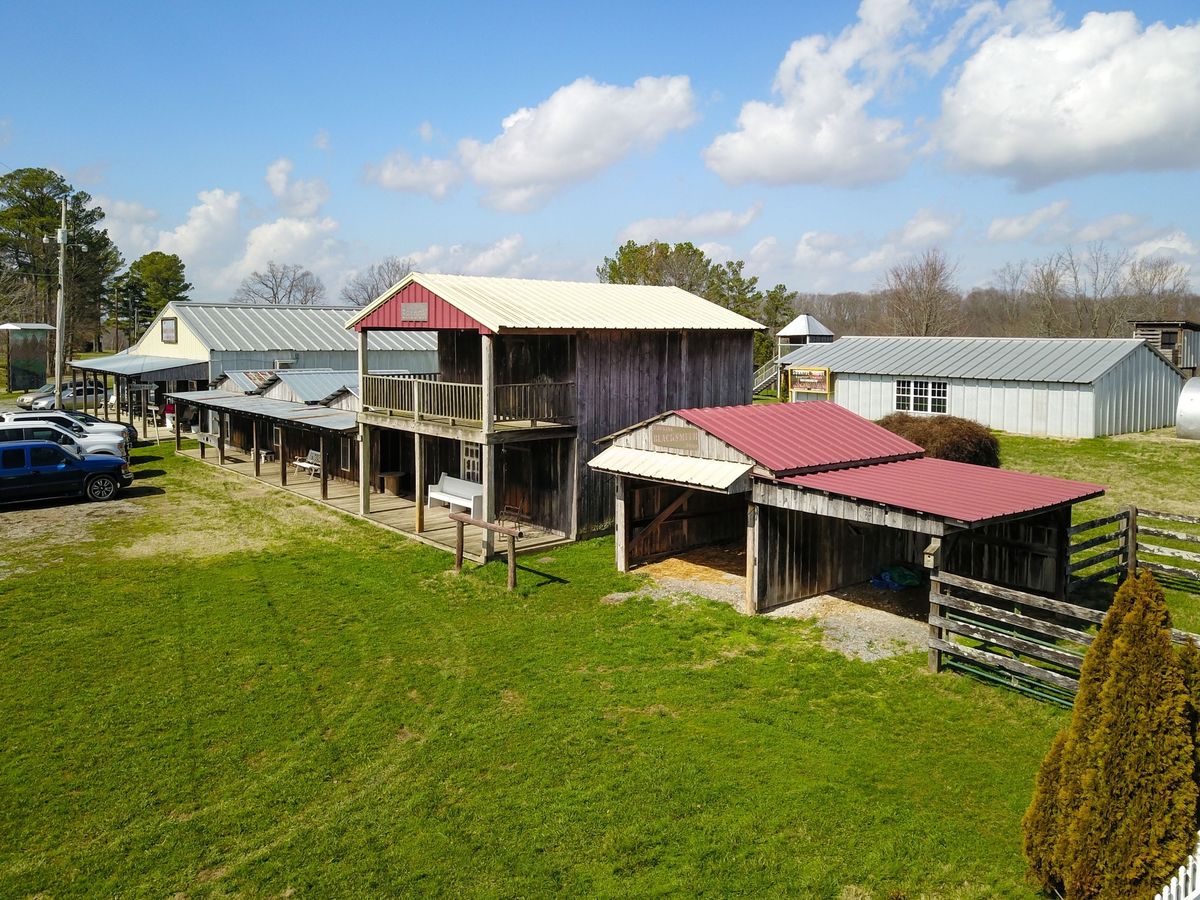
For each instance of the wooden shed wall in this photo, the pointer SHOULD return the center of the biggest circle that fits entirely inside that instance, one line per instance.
(624, 377)
(704, 518)
(534, 478)
(1027, 554)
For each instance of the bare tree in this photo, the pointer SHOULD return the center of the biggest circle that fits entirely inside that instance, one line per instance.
(1157, 287)
(921, 296)
(366, 286)
(1096, 279)
(287, 284)
(1046, 288)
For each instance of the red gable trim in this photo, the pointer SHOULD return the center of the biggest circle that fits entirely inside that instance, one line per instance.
(440, 314)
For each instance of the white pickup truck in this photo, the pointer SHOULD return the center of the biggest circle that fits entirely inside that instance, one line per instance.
(38, 430)
(76, 423)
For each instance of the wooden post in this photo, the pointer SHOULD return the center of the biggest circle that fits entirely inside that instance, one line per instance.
(933, 562)
(145, 427)
(488, 384)
(512, 562)
(753, 597)
(254, 447)
(621, 524)
(458, 546)
(488, 463)
(178, 416)
(201, 415)
(221, 438)
(419, 485)
(105, 397)
(363, 359)
(1062, 553)
(364, 458)
(282, 456)
(1131, 542)
(324, 470)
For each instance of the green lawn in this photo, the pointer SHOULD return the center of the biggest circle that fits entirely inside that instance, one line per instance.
(216, 690)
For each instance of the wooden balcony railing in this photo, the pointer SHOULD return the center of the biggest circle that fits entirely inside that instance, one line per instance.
(462, 404)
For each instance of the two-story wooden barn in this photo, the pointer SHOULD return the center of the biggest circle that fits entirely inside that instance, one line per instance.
(824, 499)
(530, 375)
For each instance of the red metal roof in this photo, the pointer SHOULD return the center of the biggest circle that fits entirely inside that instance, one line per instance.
(799, 437)
(949, 490)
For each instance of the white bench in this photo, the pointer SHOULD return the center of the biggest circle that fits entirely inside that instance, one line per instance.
(458, 492)
(310, 464)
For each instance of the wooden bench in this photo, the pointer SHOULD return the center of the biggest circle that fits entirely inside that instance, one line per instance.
(458, 492)
(310, 464)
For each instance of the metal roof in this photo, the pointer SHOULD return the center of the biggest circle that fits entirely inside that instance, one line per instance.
(1069, 360)
(283, 410)
(794, 437)
(311, 385)
(25, 326)
(237, 326)
(801, 326)
(126, 363)
(714, 474)
(510, 303)
(950, 490)
(250, 381)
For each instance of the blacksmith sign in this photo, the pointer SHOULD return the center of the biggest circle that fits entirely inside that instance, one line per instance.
(808, 381)
(675, 437)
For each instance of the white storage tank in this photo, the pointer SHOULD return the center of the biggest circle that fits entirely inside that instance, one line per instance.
(1187, 418)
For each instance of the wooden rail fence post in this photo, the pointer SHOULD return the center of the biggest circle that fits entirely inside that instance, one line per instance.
(512, 562)
(458, 546)
(1131, 542)
(933, 562)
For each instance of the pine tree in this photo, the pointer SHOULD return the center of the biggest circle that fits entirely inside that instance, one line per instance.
(1039, 826)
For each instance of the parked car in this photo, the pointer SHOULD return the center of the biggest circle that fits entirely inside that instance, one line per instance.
(131, 433)
(83, 444)
(73, 422)
(31, 470)
(26, 400)
(75, 396)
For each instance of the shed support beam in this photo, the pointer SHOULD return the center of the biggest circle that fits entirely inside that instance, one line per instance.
(220, 438)
(661, 517)
(254, 426)
(202, 417)
(488, 463)
(178, 417)
(365, 475)
(282, 456)
(622, 525)
(419, 484)
(324, 468)
(933, 562)
(753, 598)
(488, 384)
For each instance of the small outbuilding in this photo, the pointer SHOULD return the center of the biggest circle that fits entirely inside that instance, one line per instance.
(825, 499)
(1057, 387)
(1176, 339)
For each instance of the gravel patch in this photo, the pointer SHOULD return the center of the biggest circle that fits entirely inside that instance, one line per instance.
(856, 631)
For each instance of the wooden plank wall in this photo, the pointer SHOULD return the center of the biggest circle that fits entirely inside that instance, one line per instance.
(624, 377)
(801, 554)
(534, 478)
(460, 357)
(704, 518)
(1024, 554)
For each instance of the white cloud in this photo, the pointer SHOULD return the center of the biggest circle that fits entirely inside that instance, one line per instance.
(927, 227)
(505, 257)
(130, 226)
(716, 251)
(425, 130)
(309, 242)
(821, 250)
(1018, 228)
(1106, 228)
(1173, 244)
(399, 172)
(1046, 103)
(578, 132)
(321, 140)
(211, 231)
(296, 197)
(820, 130)
(715, 223)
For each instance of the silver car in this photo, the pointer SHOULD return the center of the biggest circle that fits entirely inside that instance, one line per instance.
(74, 396)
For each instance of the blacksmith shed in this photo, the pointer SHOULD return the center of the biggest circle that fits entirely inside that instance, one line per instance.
(824, 499)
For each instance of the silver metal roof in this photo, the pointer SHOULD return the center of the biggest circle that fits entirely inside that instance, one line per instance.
(248, 382)
(25, 326)
(714, 474)
(126, 363)
(513, 303)
(803, 325)
(1067, 360)
(283, 410)
(236, 326)
(312, 386)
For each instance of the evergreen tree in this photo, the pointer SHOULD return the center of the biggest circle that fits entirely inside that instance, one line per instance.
(1040, 824)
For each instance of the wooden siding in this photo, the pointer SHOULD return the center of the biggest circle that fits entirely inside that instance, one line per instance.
(1028, 554)
(625, 377)
(533, 478)
(441, 313)
(460, 357)
(704, 518)
(708, 447)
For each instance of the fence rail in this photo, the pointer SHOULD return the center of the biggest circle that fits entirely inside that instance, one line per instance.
(1184, 561)
(536, 402)
(462, 404)
(1185, 885)
(1108, 545)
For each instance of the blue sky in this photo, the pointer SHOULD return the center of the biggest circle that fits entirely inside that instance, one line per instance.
(822, 143)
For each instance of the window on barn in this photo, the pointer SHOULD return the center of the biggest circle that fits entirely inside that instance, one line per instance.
(1167, 340)
(472, 462)
(344, 462)
(921, 396)
(938, 391)
(903, 395)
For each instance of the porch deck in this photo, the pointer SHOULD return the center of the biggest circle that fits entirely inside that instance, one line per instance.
(387, 510)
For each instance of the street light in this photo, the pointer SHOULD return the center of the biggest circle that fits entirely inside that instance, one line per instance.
(60, 320)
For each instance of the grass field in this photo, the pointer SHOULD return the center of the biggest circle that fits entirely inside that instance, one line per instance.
(211, 690)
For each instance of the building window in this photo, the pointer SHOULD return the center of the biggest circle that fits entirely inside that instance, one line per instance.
(472, 462)
(921, 396)
(276, 437)
(169, 332)
(1167, 340)
(344, 462)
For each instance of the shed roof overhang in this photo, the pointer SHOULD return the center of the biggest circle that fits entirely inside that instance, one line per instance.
(299, 415)
(147, 368)
(671, 468)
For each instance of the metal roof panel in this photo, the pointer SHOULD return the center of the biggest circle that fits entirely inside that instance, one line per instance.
(713, 474)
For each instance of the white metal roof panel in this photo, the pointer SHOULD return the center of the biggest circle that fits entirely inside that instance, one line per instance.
(803, 325)
(126, 363)
(284, 410)
(1069, 360)
(713, 474)
(238, 326)
(522, 303)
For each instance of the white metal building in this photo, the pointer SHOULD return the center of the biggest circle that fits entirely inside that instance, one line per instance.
(1059, 387)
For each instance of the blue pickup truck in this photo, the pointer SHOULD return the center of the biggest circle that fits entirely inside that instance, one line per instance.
(32, 470)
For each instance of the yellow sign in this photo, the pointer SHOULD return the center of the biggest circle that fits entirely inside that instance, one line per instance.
(809, 381)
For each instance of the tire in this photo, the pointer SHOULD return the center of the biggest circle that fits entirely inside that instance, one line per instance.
(101, 487)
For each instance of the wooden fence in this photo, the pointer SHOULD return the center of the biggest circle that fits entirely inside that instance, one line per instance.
(1103, 540)
(1186, 883)
(1182, 547)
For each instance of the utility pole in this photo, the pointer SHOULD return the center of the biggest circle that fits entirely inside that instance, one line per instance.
(61, 316)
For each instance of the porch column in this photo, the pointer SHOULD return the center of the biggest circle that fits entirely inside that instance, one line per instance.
(324, 469)
(282, 456)
(105, 403)
(753, 571)
(621, 517)
(178, 416)
(220, 438)
(419, 483)
(254, 446)
(201, 416)
(488, 465)
(488, 382)
(363, 360)
(364, 468)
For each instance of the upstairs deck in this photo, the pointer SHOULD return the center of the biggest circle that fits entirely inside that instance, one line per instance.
(513, 406)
